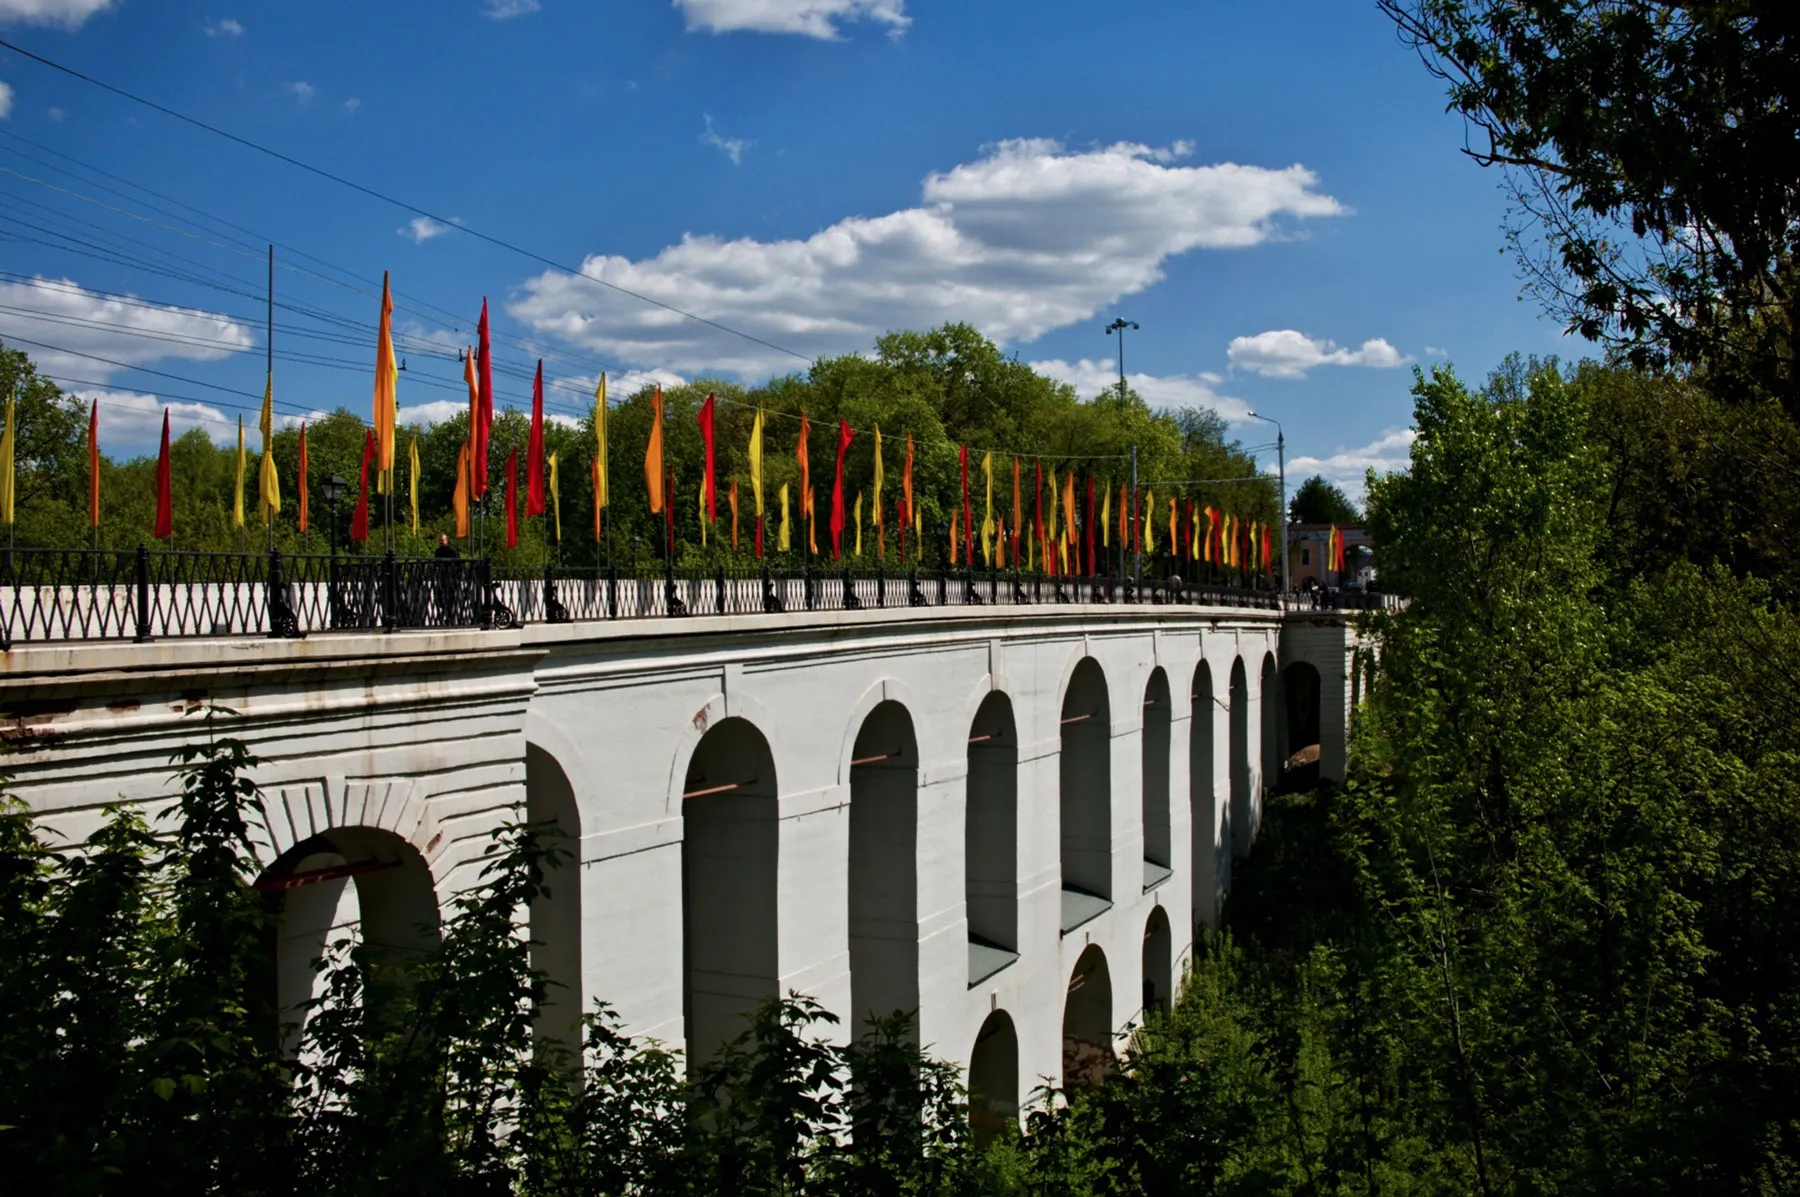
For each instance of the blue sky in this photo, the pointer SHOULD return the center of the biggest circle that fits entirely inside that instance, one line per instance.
(1272, 190)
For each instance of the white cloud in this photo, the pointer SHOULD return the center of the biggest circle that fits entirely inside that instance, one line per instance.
(1028, 238)
(228, 27)
(619, 385)
(1434, 351)
(1348, 468)
(1090, 378)
(6, 100)
(506, 10)
(70, 14)
(1284, 353)
(438, 411)
(77, 321)
(58, 115)
(301, 91)
(351, 105)
(133, 420)
(423, 228)
(732, 147)
(809, 18)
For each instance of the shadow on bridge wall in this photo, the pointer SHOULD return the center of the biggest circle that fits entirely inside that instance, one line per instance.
(884, 867)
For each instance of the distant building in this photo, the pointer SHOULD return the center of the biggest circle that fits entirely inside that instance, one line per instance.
(1309, 555)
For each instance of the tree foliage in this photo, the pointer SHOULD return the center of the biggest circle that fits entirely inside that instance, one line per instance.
(1317, 501)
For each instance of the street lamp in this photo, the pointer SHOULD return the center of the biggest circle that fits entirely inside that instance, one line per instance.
(1119, 326)
(1281, 467)
(333, 489)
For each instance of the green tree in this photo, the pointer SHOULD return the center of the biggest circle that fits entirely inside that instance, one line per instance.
(1317, 501)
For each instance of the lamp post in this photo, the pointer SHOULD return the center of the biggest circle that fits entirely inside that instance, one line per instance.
(1119, 326)
(1281, 469)
(333, 489)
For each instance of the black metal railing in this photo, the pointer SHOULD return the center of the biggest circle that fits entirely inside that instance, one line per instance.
(1331, 598)
(142, 594)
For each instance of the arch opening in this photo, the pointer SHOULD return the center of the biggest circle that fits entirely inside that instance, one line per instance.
(1158, 711)
(1272, 728)
(994, 1078)
(1301, 712)
(991, 839)
(363, 882)
(1158, 962)
(1087, 1023)
(884, 868)
(1085, 802)
(556, 913)
(1203, 799)
(729, 851)
(1239, 810)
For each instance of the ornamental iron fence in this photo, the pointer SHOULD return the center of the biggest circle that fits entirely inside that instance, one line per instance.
(53, 595)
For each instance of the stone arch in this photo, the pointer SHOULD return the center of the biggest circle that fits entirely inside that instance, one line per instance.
(1239, 812)
(1087, 1023)
(729, 856)
(1158, 713)
(886, 690)
(991, 838)
(1272, 727)
(994, 1077)
(717, 710)
(884, 867)
(346, 881)
(1301, 709)
(550, 803)
(1086, 786)
(1203, 798)
(1158, 962)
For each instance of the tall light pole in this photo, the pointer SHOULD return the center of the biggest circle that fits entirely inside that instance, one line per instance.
(1281, 468)
(1119, 326)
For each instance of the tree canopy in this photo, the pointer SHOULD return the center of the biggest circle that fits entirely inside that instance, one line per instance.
(1317, 501)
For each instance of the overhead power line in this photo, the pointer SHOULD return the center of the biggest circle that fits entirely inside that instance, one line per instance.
(401, 204)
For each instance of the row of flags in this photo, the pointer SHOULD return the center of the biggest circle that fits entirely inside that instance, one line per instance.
(1055, 537)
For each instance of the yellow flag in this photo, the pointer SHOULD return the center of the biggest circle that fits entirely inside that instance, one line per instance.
(1194, 540)
(877, 476)
(386, 389)
(1051, 530)
(412, 479)
(555, 495)
(600, 443)
(237, 496)
(8, 439)
(987, 519)
(700, 494)
(858, 552)
(756, 455)
(268, 485)
(783, 540)
(1150, 521)
(1106, 515)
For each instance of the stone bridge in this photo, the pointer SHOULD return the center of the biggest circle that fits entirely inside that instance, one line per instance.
(1009, 820)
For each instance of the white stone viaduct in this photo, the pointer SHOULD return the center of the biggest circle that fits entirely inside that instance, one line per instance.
(1009, 820)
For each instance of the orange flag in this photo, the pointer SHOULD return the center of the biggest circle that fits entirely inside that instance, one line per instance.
(734, 512)
(459, 501)
(1068, 501)
(653, 455)
(386, 380)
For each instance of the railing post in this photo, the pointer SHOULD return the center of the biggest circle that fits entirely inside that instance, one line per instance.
(880, 587)
(282, 621)
(390, 590)
(719, 584)
(806, 583)
(143, 594)
(943, 586)
(612, 592)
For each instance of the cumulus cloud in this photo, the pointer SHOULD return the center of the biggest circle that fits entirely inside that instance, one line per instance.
(132, 421)
(1284, 353)
(60, 312)
(506, 10)
(732, 147)
(1090, 378)
(1434, 351)
(6, 100)
(422, 228)
(1028, 238)
(351, 105)
(808, 18)
(225, 28)
(1348, 468)
(58, 115)
(70, 14)
(300, 90)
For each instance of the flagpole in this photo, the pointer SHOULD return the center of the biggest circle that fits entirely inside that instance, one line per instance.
(270, 339)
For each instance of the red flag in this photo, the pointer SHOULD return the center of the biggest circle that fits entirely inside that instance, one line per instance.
(1124, 521)
(845, 436)
(1037, 501)
(968, 515)
(94, 465)
(710, 482)
(165, 501)
(303, 495)
(359, 519)
(534, 449)
(512, 499)
(1268, 556)
(906, 504)
(478, 434)
(1093, 565)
